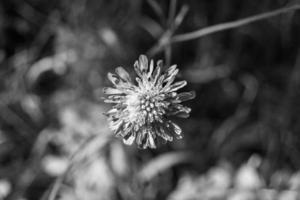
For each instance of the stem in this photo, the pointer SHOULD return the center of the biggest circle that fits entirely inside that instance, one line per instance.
(168, 55)
(172, 11)
(229, 25)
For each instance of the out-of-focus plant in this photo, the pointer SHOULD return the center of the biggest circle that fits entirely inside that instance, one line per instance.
(168, 37)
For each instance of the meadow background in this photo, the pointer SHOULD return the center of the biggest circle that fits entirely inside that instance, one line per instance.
(241, 141)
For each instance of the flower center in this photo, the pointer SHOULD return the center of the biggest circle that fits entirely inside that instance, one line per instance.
(147, 104)
(151, 107)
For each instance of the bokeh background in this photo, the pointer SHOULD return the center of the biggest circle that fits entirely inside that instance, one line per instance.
(241, 142)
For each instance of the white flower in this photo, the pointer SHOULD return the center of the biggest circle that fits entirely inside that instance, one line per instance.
(142, 108)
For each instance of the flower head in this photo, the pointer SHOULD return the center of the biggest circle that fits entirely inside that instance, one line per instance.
(142, 107)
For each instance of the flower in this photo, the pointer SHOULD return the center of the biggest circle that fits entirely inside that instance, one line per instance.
(142, 108)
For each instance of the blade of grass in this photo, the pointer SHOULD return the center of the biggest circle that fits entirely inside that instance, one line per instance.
(157, 9)
(164, 41)
(168, 55)
(172, 12)
(151, 26)
(180, 17)
(230, 25)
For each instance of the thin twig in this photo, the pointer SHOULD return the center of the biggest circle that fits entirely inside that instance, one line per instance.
(157, 9)
(229, 25)
(168, 55)
(164, 40)
(172, 12)
(180, 17)
(168, 49)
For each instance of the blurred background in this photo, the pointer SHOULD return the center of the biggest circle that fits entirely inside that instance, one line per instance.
(241, 142)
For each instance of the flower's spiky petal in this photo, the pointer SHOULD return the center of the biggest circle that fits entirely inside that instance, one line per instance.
(185, 96)
(143, 64)
(137, 68)
(141, 109)
(112, 112)
(114, 99)
(151, 67)
(177, 130)
(177, 86)
(175, 109)
(156, 72)
(126, 130)
(112, 91)
(116, 125)
(162, 133)
(160, 81)
(139, 81)
(171, 78)
(171, 72)
(151, 140)
(141, 139)
(182, 114)
(113, 78)
(122, 73)
(146, 139)
(130, 139)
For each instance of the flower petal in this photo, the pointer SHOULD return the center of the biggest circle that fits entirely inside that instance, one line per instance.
(123, 74)
(178, 110)
(137, 69)
(185, 96)
(171, 71)
(112, 91)
(150, 141)
(141, 138)
(171, 79)
(112, 101)
(116, 125)
(151, 67)
(111, 112)
(143, 63)
(162, 133)
(182, 114)
(129, 140)
(176, 129)
(156, 74)
(160, 81)
(113, 78)
(177, 86)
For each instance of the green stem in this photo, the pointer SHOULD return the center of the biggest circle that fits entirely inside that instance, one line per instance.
(229, 25)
